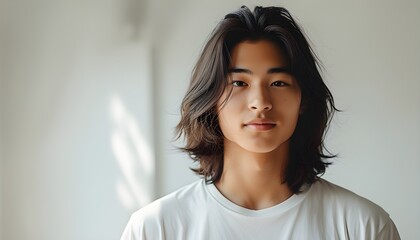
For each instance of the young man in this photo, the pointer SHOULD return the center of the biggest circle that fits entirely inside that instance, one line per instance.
(254, 118)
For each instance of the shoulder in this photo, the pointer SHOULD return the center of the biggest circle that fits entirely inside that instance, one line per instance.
(169, 212)
(345, 199)
(179, 200)
(361, 217)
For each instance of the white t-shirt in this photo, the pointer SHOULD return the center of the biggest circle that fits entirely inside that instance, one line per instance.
(199, 211)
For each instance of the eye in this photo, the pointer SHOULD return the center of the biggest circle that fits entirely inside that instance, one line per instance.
(279, 84)
(239, 83)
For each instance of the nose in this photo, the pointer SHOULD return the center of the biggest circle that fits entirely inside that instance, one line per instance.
(260, 100)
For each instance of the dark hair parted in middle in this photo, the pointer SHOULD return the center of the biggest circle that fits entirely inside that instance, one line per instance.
(199, 122)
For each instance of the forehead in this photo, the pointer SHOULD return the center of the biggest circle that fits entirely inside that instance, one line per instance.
(257, 54)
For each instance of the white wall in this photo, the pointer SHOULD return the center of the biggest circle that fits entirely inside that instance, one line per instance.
(77, 120)
(90, 89)
(2, 77)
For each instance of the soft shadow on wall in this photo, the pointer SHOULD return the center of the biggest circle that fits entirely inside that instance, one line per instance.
(134, 156)
(77, 128)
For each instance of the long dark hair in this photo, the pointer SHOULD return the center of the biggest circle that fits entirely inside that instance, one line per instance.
(199, 124)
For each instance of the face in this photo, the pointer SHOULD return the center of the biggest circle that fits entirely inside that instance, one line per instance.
(261, 113)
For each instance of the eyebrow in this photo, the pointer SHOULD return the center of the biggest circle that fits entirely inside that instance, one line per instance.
(269, 71)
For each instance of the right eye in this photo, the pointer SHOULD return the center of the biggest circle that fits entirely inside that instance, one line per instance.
(239, 83)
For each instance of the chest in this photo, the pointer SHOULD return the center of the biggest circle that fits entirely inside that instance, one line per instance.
(293, 224)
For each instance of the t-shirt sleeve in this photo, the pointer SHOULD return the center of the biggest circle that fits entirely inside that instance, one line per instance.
(131, 232)
(389, 232)
(145, 224)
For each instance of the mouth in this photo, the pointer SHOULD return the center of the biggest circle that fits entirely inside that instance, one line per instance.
(260, 124)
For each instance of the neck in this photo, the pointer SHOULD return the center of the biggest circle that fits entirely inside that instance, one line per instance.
(254, 180)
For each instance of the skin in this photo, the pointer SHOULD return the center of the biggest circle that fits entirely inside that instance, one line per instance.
(257, 122)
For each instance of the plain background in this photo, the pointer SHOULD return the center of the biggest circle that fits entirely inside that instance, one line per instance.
(90, 94)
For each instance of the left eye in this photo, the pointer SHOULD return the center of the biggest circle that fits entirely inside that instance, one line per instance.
(279, 84)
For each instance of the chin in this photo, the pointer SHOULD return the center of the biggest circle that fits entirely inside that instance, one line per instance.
(256, 148)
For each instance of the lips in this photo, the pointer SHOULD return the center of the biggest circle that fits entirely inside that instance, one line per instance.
(260, 124)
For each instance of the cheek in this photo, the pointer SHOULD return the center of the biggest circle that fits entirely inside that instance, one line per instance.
(226, 119)
(229, 118)
(289, 104)
(223, 100)
(229, 106)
